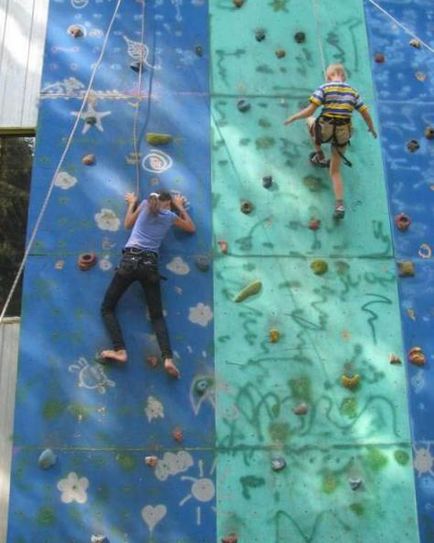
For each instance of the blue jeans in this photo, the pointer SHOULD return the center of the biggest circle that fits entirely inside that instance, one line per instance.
(138, 266)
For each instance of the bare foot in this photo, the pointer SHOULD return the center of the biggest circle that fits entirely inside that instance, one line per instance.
(108, 356)
(171, 369)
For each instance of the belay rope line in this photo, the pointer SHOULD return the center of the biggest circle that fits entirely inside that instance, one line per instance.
(138, 104)
(65, 152)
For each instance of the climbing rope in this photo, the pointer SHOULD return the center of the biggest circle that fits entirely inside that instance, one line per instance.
(316, 14)
(59, 165)
(406, 30)
(137, 106)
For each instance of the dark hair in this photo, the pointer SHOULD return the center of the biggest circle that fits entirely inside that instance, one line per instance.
(154, 198)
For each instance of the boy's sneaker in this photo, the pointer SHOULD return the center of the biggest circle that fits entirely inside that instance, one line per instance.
(339, 212)
(317, 159)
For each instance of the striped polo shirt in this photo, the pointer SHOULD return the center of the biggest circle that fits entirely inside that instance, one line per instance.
(338, 99)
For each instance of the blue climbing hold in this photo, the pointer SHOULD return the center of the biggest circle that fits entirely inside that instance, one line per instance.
(47, 459)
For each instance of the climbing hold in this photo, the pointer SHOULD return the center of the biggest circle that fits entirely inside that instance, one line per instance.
(99, 539)
(151, 461)
(274, 335)
(198, 49)
(260, 34)
(425, 251)
(379, 58)
(248, 291)
(267, 181)
(300, 37)
(137, 66)
(355, 483)
(402, 221)
(201, 386)
(91, 120)
(350, 382)
(231, 538)
(301, 409)
(202, 262)
(406, 268)
(75, 31)
(413, 146)
(86, 261)
(429, 132)
(243, 105)
(238, 3)
(394, 359)
(280, 53)
(416, 356)
(152, 360)
(47, 459)
(414, 42)
(246, 207)
(178, 435)
(278, 463)
(420, 76)
(314, 224)
(224, 246)
(319, 267)
(88, 160)
(154, 138)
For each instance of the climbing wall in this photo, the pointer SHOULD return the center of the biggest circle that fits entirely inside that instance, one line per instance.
(286, 325)
(405, 92)
(102, 422)
(348, 474)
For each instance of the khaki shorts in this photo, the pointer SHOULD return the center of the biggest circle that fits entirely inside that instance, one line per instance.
(342, 132)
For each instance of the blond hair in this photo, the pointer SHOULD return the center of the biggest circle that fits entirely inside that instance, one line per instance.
(336, 70)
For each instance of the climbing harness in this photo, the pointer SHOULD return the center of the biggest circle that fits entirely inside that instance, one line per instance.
(60, 163)
(333, 140)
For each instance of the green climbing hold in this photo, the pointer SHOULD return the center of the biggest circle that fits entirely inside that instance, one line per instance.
(319, 267)
(153, 138)
(401, 457)
(250, 290)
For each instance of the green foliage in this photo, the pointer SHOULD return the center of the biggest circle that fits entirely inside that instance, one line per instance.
(16, 154)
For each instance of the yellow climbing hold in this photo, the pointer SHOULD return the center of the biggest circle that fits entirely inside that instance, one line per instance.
(319, 267)
(153, 138)
(250, 290)
(350, 382)
(274, 335)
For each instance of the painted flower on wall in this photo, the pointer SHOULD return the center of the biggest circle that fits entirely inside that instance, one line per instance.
(200, 314)
(178, 266)
(154, 409)
(73, 488)
(172, 464)
(105, 264)
(64, 180)
(106, 219)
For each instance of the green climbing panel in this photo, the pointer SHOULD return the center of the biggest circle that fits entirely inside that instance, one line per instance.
(349, 473)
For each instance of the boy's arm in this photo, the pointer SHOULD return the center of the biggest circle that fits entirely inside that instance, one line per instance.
(303, 114)
(184, 221)
(368, 120)
(132, 210)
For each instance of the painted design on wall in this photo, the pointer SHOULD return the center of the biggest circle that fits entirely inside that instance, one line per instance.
(91, 376)
(73, 488)
(102, 420)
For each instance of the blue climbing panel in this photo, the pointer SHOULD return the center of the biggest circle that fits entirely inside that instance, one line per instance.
(102, 422)
(405, 93)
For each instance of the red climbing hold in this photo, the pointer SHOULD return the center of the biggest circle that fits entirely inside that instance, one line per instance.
(231, 538)
(178, 435)
(379, 58)
(314, 224)
(86, 261)
(402, 222)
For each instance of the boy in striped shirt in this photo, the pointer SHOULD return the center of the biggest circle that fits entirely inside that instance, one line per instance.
(338, 101)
